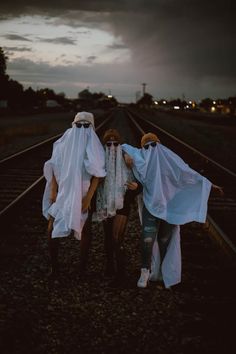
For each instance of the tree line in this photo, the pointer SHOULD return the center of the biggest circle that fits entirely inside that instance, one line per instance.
(17, 98)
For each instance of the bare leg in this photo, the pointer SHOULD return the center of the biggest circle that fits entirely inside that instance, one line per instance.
(119, 227)
(108, 245)
(53, 247)
(85, 243)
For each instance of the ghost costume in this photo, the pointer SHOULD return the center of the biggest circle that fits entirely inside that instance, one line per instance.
(110, 194)
(172, 192)
(77, 156)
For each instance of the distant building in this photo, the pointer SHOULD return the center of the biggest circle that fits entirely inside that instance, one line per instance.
(52, 104)
(3, 104)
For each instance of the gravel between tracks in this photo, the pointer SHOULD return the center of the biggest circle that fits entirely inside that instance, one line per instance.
(88, 315)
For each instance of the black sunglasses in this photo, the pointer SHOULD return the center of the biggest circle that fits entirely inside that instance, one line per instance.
(110, 143)
(153, 144)
(85, 125)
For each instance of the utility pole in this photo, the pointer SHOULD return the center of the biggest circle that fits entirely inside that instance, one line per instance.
(144, 88)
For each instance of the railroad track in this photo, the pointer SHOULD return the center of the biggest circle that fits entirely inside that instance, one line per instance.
(221, 209)
(21, 172)
(196, 317)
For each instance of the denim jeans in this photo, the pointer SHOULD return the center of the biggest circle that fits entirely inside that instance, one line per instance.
(151, 227)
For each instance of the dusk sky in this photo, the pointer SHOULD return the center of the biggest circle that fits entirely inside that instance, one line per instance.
(176, 47)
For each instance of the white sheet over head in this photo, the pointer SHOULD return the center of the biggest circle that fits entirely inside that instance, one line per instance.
(172, 191)
(110, 193)
(84, 116)
(76, 157)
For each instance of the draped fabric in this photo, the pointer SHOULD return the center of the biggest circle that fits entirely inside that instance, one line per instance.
(110, 193)
(171, 267)
(76, 157)
(172, 191)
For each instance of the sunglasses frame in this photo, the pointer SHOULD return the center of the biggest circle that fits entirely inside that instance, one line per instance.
(114, 143)
(85, 125)
(153, 144)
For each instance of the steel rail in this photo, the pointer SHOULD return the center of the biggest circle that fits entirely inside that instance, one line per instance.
(216, 232)
(30, 148)
(41, 178)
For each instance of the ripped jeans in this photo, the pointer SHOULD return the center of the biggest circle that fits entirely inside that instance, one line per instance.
(151, 227)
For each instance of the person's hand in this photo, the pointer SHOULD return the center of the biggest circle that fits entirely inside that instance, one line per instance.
(53, 197)
(128, 160)
(218, 189)
(85, 204)
(50, 226)
(132, 185)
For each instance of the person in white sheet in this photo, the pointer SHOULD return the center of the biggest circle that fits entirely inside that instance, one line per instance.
(113, 202)
(72, 174)
(173, 194)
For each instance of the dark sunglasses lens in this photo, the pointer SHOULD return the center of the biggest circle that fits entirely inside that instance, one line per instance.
(153, 144)
(109, 144)
(146, 147)
(85, 125)
(115, 144)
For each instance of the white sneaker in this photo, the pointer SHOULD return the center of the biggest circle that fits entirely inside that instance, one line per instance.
(144, 277)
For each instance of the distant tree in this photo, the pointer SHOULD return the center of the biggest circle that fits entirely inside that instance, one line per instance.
(206, 103)
(61, 98)
(46, 94)
(3, 87)
(30, 98)
(3, 62)
(146, 100)
(15, 94)
(85, 94)
(98, 95)
(177, 102)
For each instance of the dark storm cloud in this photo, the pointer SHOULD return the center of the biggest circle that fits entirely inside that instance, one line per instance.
(18, 49)
(91, 59)
(15, 37)
(43, 73)
(122, 81)
(59, 40)
(115, 46)
(185, 39)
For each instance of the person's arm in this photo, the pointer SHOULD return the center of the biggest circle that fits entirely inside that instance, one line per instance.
(135, 186)
(217, 189)
(128, 160)
(132, 185)
(54, 189)
(92, 188)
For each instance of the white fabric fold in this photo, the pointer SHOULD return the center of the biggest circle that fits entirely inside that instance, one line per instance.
(170, 269)
(111, 192)
(76, 157)
(172, 191)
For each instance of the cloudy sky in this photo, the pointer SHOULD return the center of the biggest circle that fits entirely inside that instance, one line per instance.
(177, 47)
